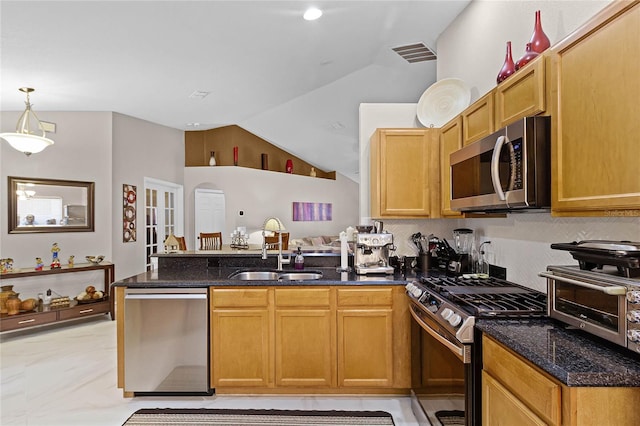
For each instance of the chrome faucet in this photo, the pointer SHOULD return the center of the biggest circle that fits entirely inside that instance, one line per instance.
(269, 225)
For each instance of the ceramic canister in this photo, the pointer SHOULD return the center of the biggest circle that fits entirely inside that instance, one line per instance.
(7, 290)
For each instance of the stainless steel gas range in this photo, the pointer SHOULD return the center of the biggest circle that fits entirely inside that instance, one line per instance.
(447, 307)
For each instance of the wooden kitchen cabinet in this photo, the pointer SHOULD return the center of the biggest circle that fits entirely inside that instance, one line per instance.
(241, 337)
(442, 372)
(514, 391)
(512, 388)
(523, 94)
(405, 176)
(373, 338)
(450, 141)
(595, 158)
(305, 341)
(314, 340)
(478, 120)
(30, 319)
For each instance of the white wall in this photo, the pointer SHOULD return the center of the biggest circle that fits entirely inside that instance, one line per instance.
(261, 194)
(82, 151)
(103, 147)
(473, 46)
(140, 149)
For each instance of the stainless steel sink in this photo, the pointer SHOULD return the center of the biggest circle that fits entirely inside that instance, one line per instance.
(255, 275)
(294, 276)
(275, 275)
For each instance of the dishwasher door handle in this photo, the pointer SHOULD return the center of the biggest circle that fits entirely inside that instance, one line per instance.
(157, 296)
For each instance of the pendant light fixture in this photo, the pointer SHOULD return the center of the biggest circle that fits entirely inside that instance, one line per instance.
(30, 136)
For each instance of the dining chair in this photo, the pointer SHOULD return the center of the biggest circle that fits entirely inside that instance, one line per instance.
(211, 241)
(272, 242)
(182, 243)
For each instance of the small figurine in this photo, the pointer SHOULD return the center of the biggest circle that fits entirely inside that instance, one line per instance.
(39, 264)
(8, 264)
(55, 262)
(71, 261)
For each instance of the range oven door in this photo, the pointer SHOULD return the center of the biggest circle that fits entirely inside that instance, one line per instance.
(464, 352)
(595, 307)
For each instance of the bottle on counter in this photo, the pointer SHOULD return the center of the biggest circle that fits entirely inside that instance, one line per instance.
(299, 261)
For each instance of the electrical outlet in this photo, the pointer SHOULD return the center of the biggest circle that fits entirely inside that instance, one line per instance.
(497, 272)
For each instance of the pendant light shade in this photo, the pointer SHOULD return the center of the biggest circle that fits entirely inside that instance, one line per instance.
(30, 136)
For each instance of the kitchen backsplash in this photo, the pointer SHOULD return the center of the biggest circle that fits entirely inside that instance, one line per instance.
(520, 242)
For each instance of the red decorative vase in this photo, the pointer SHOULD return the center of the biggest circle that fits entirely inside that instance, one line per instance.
(235, 155)
(539, 40)
(289, 166)
(508, 67)
(528, 56)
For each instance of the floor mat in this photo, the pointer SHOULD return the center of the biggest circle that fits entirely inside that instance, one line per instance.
(203, 416)
(450, 417)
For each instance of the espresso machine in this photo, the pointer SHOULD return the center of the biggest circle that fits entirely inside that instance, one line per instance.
(372, 253)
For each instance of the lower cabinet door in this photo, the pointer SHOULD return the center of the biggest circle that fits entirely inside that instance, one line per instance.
(305, 348)
(365, 347)
(240, 348)
(501, 408)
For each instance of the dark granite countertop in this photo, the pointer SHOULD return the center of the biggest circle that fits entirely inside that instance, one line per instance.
(220, 277)
(569, 355)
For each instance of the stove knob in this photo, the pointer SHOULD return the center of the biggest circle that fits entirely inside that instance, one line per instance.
(633, 316)
(633, 297)
(416, 292)
(633, 336)
(446, 313)
(409, 287)
(433, 307)
(455, 320)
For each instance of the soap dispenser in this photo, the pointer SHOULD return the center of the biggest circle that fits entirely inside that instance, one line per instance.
(299, 261)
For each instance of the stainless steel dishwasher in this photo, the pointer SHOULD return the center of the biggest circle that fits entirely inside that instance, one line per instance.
(166, 341)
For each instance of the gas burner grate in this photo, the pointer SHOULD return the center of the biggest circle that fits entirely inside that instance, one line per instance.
(490, 297)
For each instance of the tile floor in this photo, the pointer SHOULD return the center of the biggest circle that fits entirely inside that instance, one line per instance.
(67, 376)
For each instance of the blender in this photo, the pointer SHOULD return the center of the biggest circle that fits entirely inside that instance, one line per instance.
(463, 240)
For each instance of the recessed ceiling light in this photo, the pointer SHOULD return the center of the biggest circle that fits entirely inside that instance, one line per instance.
(312, 14)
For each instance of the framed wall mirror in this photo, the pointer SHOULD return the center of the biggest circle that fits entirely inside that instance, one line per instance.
(50, 205)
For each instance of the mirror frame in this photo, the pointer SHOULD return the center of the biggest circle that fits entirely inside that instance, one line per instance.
(14, 225)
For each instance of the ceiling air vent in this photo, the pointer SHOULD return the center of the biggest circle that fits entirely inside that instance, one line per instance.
(416, 52)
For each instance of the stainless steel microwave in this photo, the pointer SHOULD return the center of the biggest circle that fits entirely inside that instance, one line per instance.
(507, 170)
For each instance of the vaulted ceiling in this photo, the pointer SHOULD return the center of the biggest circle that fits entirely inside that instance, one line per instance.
(295, 83)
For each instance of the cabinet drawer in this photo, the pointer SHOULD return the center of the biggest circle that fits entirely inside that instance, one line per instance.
(27, 320)
(303, 297)
(84, 310)
(365, 297)
(527, 383)
(239, 297)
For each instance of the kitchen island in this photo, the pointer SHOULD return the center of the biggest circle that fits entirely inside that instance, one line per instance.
(340, 334)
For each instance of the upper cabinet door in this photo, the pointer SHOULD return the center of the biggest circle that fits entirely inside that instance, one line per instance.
(405, 173)
(450, 141)
(478, 119)
(595, 150)
(522, 94)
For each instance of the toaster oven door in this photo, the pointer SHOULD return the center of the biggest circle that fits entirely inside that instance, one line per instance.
(596, 308)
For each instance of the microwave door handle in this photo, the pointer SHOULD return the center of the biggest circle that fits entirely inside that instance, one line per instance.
(615, 290)
(495, 163)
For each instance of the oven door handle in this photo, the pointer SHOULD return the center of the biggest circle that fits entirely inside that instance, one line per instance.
(459, 352)
(614, 290)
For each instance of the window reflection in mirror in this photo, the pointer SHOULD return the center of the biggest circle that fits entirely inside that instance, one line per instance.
(48, 205)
